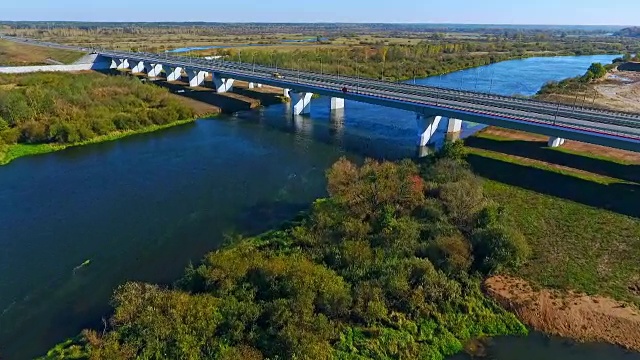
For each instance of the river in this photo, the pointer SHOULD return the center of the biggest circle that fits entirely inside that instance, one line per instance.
(141, 208)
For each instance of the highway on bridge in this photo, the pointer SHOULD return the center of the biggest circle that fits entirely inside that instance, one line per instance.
(609, 128)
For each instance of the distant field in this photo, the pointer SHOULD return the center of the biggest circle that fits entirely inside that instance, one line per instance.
(18, 54)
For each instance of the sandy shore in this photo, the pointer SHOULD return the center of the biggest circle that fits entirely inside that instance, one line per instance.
(572, 315)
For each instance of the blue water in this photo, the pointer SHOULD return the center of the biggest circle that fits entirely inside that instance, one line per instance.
(142, 207)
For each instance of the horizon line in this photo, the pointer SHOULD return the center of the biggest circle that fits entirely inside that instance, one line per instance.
(312, 22)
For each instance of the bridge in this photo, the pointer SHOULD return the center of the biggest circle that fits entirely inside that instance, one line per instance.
(430, 104)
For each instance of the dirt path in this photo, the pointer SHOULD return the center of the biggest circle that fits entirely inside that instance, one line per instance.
(577, 316)
(620, 91)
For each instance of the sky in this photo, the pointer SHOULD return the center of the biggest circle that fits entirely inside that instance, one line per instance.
(553, 12)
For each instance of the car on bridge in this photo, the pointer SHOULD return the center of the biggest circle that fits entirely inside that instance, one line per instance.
(277, 75)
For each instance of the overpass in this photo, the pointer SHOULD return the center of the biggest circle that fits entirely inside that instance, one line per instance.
(430, 104)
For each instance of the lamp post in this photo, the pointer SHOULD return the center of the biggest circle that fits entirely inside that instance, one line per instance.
(253, 59)
(357, 76)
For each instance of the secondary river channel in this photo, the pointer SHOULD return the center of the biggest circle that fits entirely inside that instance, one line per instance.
(143, 207)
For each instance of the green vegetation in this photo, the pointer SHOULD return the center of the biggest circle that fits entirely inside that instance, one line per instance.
(387, 267)
(43, 112)
(406, 61)
(571, 85)
(14, 54)
(578, 212)
(575, 246)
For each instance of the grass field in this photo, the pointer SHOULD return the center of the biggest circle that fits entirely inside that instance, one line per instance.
(19, 54)
(579, 212)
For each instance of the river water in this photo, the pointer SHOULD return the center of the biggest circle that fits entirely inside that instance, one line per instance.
(143, 207)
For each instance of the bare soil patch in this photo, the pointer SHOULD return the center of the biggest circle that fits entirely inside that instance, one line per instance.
(568, 314)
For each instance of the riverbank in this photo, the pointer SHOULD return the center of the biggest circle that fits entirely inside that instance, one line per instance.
(618, 90)
(577, 207)
(568, 314)
(344, 280)
(201, 102)
(12, 152)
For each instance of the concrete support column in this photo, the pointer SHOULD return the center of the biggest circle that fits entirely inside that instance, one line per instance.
(427, 126)
(556, 141)
(301, 103)
(337, 103)
(119, 64)
(138, 67)
(196, 77)
(259, 85)
(286, 93)
(173, 74)
(252, 85)
(153, 70)
(222, 85)
(455, 126)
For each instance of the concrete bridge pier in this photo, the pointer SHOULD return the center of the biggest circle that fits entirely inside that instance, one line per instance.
(555, 142)
(173, 74)
(301, 103)
(196, 77)
(138, 67)
(454, 128)
(222, 85)
(286, 93)
(337, 103)
(252, 85)
(153, 70)
(119, 64)
(427, 126)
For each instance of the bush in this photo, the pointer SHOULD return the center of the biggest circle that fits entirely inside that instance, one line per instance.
(10, 136)
(3, 124)
(497, 248)
(33, 132)
(451, 254)
(462, 201)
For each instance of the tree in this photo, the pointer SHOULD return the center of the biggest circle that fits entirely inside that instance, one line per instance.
(497, 247)
(598, 70)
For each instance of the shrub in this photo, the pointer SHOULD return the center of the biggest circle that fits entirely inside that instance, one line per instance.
(462, 201)
(33, 132)
(497, 248)
(10, 136)
(451, 254)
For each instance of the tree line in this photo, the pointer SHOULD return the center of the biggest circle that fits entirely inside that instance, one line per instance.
(387, 267)
(405, 61)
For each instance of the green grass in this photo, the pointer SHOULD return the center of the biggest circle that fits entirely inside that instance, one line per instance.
(582, 219)
(592, 156)
(15, 151)
(575, 246)
(561, 149)
(600, 179)
(580, 212)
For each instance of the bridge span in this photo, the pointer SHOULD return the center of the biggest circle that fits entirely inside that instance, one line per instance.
(430, 104)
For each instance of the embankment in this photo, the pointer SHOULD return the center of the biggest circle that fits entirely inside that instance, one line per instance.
(568, 314)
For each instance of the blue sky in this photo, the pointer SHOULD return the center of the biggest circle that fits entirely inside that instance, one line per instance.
(569, 12)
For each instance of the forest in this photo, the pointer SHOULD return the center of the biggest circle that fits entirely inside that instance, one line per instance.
(388, 266)
(57, 108)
